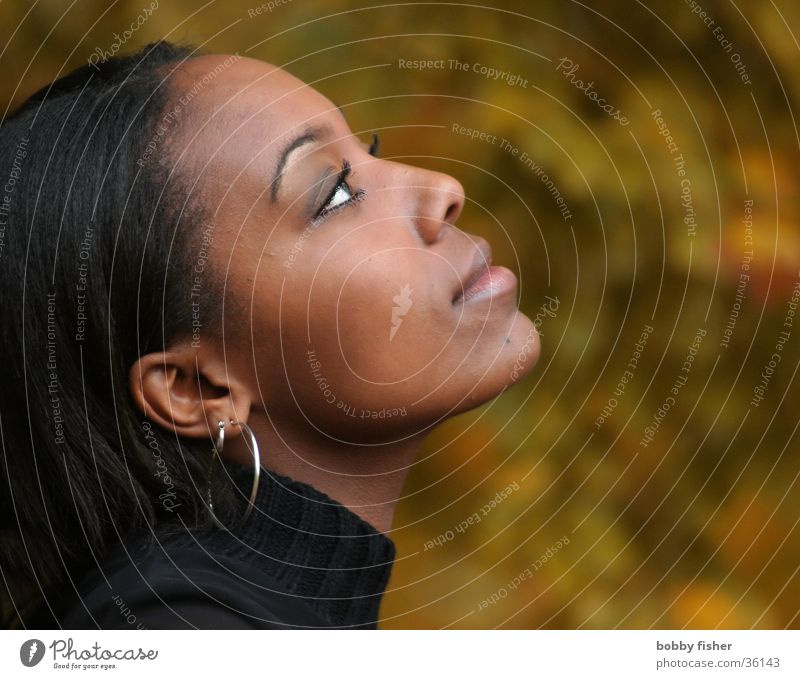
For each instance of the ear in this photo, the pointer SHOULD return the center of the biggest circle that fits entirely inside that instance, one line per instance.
(187, 392)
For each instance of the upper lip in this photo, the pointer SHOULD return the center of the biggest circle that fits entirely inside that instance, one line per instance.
(480, 263)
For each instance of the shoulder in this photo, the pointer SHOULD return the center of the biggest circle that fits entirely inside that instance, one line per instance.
(182, 586)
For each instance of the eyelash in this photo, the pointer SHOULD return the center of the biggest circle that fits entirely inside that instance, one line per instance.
(341, 182)
(375, 145)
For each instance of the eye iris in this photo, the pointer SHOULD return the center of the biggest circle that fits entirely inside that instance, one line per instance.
(342, 195)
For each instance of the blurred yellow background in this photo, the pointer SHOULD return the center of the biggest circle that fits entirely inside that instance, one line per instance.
(633, 162)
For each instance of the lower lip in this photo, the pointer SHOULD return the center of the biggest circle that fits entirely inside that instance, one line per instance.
(495, 281)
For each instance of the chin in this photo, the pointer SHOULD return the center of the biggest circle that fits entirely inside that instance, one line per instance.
(500, 363)
(523, 348)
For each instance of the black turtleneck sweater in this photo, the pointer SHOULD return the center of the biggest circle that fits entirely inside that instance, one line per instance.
(301, 560)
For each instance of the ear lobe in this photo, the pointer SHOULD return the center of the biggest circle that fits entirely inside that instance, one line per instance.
(181, 392)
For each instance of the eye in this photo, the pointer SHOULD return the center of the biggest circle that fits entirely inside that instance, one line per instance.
(340, 196)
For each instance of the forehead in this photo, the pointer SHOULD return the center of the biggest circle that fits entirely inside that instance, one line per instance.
(247, 95)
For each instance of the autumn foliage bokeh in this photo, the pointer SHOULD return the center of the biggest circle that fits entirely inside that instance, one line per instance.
(696, 529)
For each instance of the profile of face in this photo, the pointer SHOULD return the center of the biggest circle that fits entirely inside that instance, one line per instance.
(354, 306)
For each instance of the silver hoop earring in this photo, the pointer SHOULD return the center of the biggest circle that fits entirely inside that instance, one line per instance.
(217, 453)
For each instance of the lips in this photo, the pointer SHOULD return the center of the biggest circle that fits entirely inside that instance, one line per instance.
(483, 279)
(479, 268)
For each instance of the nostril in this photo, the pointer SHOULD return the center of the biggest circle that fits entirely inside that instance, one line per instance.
(455, 194)
(453, 211)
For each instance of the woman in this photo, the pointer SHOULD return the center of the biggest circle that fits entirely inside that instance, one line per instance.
(228, 328)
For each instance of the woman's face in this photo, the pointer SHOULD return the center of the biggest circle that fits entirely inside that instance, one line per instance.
(353, 303)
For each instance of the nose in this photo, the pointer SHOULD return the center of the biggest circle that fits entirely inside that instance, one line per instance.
(440, 203)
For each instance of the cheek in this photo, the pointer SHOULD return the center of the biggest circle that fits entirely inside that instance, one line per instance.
(377, 332)
(355, 335)
(388, 315)
(384, 322)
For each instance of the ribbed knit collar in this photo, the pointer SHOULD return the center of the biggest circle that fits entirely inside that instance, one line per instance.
(312, 546)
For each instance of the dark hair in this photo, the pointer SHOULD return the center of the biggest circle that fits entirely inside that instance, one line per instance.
(97, 246)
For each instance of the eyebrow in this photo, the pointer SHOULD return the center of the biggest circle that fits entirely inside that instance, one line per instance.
(306, 137)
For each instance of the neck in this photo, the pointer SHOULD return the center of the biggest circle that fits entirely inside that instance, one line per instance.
(368, 480)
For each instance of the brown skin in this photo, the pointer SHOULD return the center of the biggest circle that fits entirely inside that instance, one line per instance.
(293, 287)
